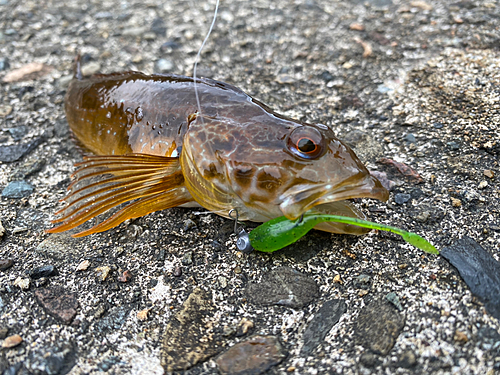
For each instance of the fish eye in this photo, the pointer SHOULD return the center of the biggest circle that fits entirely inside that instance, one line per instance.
(306, 142)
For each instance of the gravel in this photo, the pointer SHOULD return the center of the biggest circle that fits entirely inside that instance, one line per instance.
(431, 70)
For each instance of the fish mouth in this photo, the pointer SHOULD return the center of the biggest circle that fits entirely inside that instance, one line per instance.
(301, 198)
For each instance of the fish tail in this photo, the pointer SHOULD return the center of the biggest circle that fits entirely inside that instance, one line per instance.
(121, 187)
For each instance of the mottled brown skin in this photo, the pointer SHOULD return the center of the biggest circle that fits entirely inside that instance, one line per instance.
(234, 152)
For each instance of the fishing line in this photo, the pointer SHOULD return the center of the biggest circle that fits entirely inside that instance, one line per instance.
(198, 55)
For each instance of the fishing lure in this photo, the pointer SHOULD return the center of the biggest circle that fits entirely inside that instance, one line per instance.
(280, 232)
(156, 149)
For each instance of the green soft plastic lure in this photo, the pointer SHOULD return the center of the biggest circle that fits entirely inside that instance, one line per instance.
(280, 232)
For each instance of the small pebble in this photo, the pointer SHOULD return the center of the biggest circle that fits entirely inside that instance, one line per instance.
(363, 292)
(356, 26)
(407, 359)
(326, 76)
(401, 198)
(253, 356)
(394, 299)
(83, 266)
(17, 190)
(222, 282)
(64, 81)
(2, 229)
(17, 230)
(125, 277)
(244, 326)
(91, 68)
(177, 271)
(483, 184)
(143, 315)
(423, 216)
(362, 280)
(134, 31)
(5, 264)
(3, 332)
(12, 341)
(21, 283)
(455, 202)
(368, 359)
(488, 173)
(4, 63)
(187, 259)
(102, 273)
(44, 271)
(460, 336)
(164, 65)
(189, 224)
(438, 125)
(411, 138)
(453, 145)
(337, 279)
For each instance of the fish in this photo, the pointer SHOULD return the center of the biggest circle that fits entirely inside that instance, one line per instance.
(155, 148)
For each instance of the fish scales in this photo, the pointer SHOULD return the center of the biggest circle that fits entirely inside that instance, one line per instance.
(231, 153)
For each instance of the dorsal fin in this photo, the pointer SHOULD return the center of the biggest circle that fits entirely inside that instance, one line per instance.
(144, 183)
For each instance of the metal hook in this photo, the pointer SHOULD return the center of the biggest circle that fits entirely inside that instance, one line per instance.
(235, 219)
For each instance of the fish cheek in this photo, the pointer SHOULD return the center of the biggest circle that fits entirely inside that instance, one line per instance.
(268, 184)
(243, 176)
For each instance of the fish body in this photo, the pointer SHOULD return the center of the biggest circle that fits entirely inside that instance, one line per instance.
(159, 149)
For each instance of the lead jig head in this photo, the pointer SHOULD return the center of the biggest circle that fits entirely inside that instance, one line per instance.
(243, 242)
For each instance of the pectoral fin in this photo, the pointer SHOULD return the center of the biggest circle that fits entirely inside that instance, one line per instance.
(141, 183)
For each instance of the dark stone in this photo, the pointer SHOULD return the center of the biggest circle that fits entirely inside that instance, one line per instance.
(58, 302)
(407, 359)
(283, 286)
(324, 319)
(453, 145)
(379, 325)
(401, 198)
(5, 264)
(253, 356)
(11, 153)
(44, 271)
(114, 320)
(368, 359)
(4, 63)
(4, 331)
(4, 364)
(189, 337)
(51, 359)
(17, 190)
(479, 270)
(437, 125)
(158, 27)
(326, 76)
(26, 169)
(15, 369)
(18, 132)
(410, 138)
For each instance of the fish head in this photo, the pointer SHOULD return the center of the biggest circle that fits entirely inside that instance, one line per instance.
(266, 170)
(325, 171)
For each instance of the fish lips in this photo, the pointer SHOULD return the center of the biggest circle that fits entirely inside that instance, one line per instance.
(301, 198)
